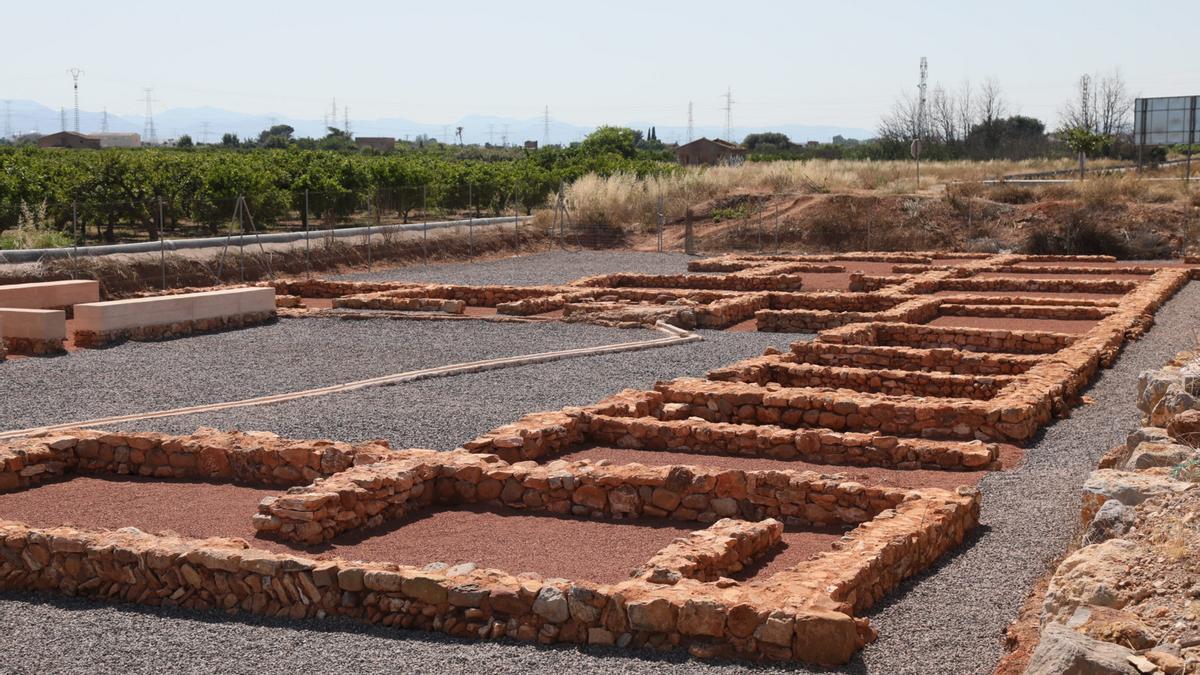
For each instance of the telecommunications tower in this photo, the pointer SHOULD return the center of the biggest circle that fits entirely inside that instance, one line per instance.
(75, 73)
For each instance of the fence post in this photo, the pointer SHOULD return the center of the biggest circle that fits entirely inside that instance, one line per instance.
(74, 237)
(661, 221)
(777, 226)
(162, 246)
(307, 242)
(241, 237)
(689, 246)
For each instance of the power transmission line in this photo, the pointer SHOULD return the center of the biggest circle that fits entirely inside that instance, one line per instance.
(504, 137)
(729, 114)
(148, 127)
(62, 118)
(104, 121)
(75, 73)
(691, 127)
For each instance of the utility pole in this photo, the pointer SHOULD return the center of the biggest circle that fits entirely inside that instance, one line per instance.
(148, 128)
(691, 127)
(916, 147)
(504, 137)
(729, 114)
(546, 126)
(62, 119)
(75, 73)
(104, 120)
(204, 132)
(346, 120)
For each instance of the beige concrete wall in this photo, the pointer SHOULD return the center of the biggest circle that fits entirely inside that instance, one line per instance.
(116, 315)
(51, 294)
(33, 324)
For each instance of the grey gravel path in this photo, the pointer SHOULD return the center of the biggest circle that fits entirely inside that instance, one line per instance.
(552, 267)
(290, 355)
(443, 413)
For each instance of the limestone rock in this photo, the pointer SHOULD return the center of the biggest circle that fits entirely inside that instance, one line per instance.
(1149, 455)
(1062, 651)
(1127, 487)
(1112, 520)
(1086, 578)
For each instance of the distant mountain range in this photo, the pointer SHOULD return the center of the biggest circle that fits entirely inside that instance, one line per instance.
(209, 124)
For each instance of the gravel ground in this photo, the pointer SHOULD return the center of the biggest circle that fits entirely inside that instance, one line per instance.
(443, 413)
(290, 355)
(554, 267)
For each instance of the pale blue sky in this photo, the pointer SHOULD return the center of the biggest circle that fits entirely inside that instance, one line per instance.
(836, 63)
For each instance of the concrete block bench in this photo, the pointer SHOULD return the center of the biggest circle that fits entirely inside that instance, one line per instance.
(49, 295)
(167, 316)
(33, 332)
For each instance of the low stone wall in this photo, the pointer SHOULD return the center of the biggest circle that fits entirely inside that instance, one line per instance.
(809, 621)
(93, 339)
(909, 358)
(823, 446)
(1022, 284)
(1024, 311)
(894, 382)
(904, 309)
(33, 332)
(258, 458)
(367, 496)
(386, 300)
(160, 317)
(728, 282)
(723, 548)
(932, 337)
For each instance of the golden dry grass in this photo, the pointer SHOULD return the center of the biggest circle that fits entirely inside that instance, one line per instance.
(626, 200)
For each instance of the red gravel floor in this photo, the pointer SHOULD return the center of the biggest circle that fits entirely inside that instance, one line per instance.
(1071, 326)
(1010, 456)
(1042, 275)
(748, 326)
(602, 551)
(1033, 294)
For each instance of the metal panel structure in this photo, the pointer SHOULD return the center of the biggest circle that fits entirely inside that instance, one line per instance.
(1166, 120)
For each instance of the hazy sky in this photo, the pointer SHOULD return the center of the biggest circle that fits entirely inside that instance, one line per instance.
(838, 63)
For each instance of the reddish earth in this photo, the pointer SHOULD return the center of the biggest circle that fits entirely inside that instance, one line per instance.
(479, 311)
(1115, 264)
(317, 303)
(832, 281)
(1010, 456)
(1040, 275)
(1032, 294)
(1072, 326)
(797, 546)
(602, 551)
(748, 326)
